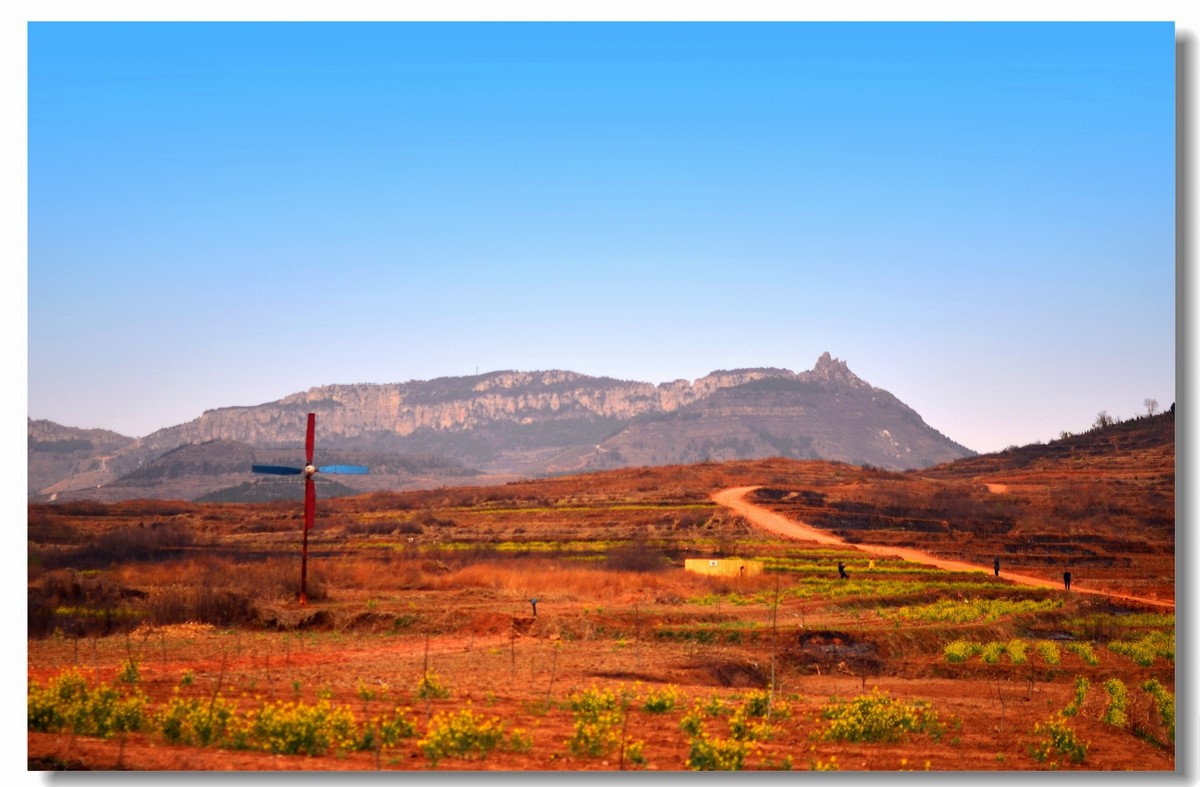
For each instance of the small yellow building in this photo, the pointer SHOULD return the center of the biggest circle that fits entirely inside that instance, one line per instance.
(723, 566)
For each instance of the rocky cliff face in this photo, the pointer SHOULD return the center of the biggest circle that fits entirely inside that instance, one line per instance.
(378, 412)
(826, 413)
(560, 421)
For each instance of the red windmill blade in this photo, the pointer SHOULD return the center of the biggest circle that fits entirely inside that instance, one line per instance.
(310, 491)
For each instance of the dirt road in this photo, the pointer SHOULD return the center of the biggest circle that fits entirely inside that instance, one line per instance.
(734, 499)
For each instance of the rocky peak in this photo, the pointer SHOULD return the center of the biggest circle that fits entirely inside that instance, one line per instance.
(833, 370)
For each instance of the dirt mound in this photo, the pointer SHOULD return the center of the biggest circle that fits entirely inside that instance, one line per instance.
(736, 674)
(523, 626)
(286, 618)
(830, 651)
(370, 621)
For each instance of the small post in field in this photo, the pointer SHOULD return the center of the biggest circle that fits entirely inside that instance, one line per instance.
(512, 646)
(425, 682)
(553, 671)
(774, 643)
(1000, 695)
(637, 632)
(624, 724)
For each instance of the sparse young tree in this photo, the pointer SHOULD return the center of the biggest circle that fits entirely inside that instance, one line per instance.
(1103, 419)
(1151, 406)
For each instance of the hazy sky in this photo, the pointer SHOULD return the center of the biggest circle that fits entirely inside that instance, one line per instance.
(978, 218)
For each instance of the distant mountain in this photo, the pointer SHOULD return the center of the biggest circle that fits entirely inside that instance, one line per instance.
(827, 413)
(81, 458)
(506, 424)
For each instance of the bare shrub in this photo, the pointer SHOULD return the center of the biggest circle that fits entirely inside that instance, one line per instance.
(428, 519)
(381, 528)
(224, 592)
(691, 520)
(219, 590)
(153, 507)
(551, 580)
(79, 604)
(272, 525)
(199, 604)
(396, 572)
(159, 541)
(636, 557)
(82, 508)
(266, 580)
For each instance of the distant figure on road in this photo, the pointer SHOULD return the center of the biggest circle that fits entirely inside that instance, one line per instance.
(996, 566)
(533, 603)
(1067, 579)
(842, 570)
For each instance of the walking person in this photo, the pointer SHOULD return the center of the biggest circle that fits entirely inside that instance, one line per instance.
(842, 570)
(1067, 579)
(996, 566)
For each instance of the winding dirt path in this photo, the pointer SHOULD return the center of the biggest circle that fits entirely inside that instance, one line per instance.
(735, 500)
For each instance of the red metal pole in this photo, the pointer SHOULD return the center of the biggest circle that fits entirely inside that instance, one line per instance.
(304, 569)
(310, 505)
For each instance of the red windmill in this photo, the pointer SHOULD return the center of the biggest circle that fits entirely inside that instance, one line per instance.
(310, 492)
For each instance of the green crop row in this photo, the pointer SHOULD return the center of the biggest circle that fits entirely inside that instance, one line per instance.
(961, 650)
(833, 588)
(970, 610)
(1146, 648)
(1164, 702)
(879, 718)
(1128, 620)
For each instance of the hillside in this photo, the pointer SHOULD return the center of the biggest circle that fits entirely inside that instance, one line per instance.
(1144, 443)
(74, 458)
(502, 425)
(827, 414)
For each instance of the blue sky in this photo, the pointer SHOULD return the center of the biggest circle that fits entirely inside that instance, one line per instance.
(978, 218)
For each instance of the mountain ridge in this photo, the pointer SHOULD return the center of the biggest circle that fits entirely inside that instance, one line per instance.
(515, 423)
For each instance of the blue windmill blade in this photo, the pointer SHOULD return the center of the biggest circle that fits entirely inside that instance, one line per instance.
(344, 469)
(276, 470)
